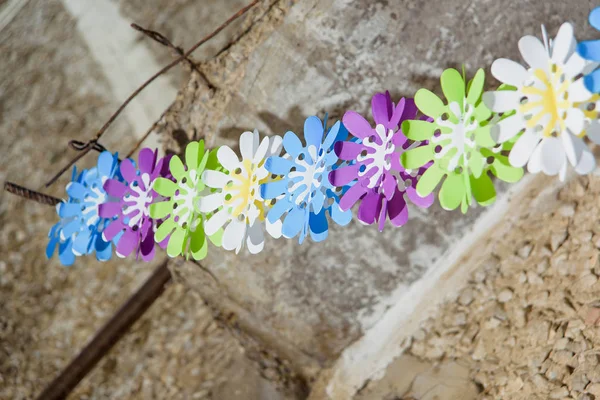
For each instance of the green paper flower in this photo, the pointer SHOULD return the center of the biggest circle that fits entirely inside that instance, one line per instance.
(459, 144)
(182, 218)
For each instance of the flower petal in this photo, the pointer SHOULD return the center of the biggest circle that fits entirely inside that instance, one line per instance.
(147, 160)
(127, 243)
(176, 243)
(370, 207)
(248, 145)
(176, 167)
(502, 100)
(533, 52)
(215, 179)
(348, 150)
(228, 159)
(397, 210)
(279, 165)
(453, 86)
(563, 44)
(507, 128)
(194, 152)
(114, 187)
(587, 163)
(344, 175)
(578, 92)
(476, 87)
(523, 148)
(210, 202)
(379, 109)
(483, 189)
(216, 222)
(165, 187)
(452, 192)
(352, 196)
(294, 222)
(319, 227)
(552, 155)
(429, 104)
(509, 71)
(313, 132)
(418, 130)
(256, 238)
(233, 237)
(357, 125)
(417, 157)
(161, 209)
(339, 216)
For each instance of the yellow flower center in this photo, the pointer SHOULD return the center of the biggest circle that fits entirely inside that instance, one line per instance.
(244, 191)
(547, 96)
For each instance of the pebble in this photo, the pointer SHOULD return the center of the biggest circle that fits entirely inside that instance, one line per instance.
(466, 297)
(505, 295)
(557, 239)
(559, 393)
(568, 210)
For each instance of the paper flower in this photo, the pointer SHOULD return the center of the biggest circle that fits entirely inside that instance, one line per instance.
(460, 144)
(237, 201)
(545, 103)
(130, 202)
(590, 50)
(380, 181)
(80, 228)
(304, 191)
(180, 212)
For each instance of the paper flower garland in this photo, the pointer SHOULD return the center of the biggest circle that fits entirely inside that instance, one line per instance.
(545, 105)
(303, 190)
(590, 50)
(80, 228)
(378, 179)
(538, 117)
(238, 202)
(460, 144)
(130, 205)
(180, 211)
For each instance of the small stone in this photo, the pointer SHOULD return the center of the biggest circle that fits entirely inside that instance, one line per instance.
(561, 344)
(557, 239)
(568, 210)
(525, 251)
(542, 266)
(460, 319)
(540, 382)
(559, 393)
(466, 297)
(505, 295)
(514, 385)
(479, 353)
(562, 357)
(594, 389)
(534, 278)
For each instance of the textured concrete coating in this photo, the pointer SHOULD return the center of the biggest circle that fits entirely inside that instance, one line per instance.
(330, 56)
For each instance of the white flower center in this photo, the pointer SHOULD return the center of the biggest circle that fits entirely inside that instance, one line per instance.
(311, 175)
(380, 157)
(141, 201)
(188, 193)
(460, 135)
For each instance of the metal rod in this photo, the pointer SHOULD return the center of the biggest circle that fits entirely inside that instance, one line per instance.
(108, 335)
(31, 194)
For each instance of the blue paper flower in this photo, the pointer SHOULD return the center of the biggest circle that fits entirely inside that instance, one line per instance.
(79, 230)
(304, 191)
(590, 50)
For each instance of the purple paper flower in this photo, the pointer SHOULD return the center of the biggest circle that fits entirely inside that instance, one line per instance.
(380, 181)
(129, 202)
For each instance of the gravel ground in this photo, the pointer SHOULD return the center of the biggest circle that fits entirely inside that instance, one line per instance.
(526, 324)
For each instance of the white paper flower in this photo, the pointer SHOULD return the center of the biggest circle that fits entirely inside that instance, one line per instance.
(238, 201)
(546, 105)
